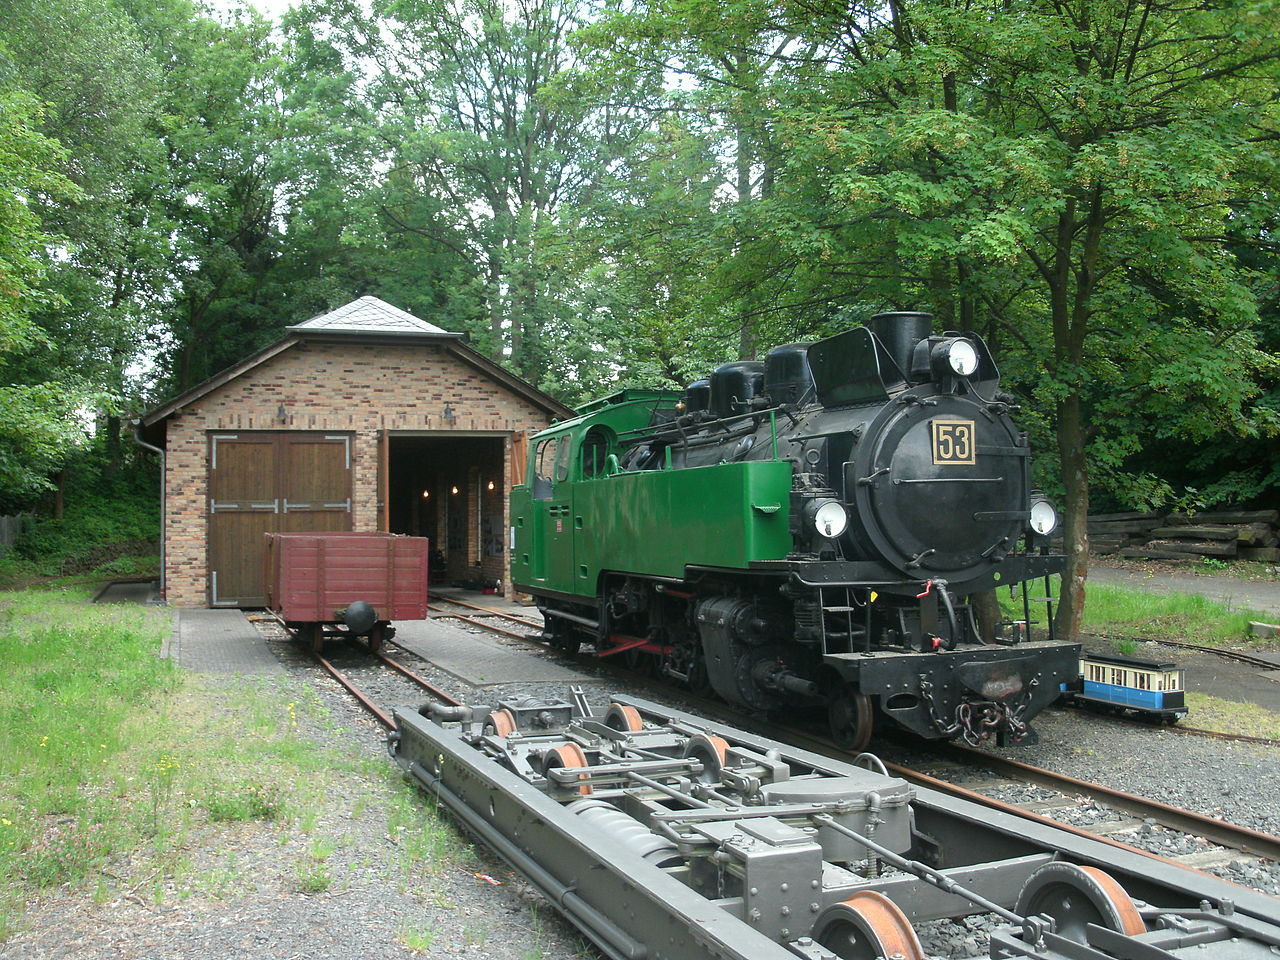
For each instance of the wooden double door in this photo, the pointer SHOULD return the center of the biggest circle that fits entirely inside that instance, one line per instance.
(270, 482)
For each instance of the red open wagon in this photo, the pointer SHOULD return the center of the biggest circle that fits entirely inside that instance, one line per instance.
(355, 583)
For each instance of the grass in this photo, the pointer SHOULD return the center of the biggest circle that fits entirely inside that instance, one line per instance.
(1195, 619)
(417, 936)
(121, 776)
(1132, 615)
(1230, 716)
(106, 754)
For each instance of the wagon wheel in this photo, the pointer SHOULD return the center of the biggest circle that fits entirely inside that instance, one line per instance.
(568, 756)
(560, 635)
(1074, 897)
(866, 926)
(503, 723)
(711, 751)
(624, 718)
(315, 636)
(377, 634)
(851, 717)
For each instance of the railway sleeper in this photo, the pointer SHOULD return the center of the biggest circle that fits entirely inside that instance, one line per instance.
(663, 835)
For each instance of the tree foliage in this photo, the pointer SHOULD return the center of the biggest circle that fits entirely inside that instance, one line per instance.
(605, 193)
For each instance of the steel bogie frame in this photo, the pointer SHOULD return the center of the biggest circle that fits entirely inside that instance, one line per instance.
(661, 835)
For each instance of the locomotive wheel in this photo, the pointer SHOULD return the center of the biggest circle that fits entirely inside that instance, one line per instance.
(1074, 897)
(503, 723)
(625, 718)
(851, 717)
(567, 755)
(711, 752)
(866, 926)
(698, 681)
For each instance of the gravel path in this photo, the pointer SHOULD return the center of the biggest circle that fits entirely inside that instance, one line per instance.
(377, 907)
(1260, 595)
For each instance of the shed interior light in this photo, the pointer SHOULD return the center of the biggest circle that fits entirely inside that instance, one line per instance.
(454, 489)
(425, 494)
(490, 484)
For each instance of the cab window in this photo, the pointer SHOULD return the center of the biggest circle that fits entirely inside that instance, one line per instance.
(562, 458)
(595, 451)
(544, 466)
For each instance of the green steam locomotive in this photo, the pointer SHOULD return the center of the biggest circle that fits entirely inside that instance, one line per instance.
(822, 529)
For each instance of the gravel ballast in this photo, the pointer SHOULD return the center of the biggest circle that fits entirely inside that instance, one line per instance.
(376, 907)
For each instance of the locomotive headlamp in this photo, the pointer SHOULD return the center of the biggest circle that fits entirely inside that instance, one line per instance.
(1044, 518)
(828, 517)
(957, 357)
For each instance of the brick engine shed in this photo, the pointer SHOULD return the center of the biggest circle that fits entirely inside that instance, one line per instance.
(365, 418)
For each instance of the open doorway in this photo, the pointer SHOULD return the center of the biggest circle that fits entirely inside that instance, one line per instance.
(452, 490)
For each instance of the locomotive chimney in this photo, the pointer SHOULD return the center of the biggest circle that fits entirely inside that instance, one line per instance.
(900, 331)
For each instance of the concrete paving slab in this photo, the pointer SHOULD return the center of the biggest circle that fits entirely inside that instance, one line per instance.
(146, 592)
(477, 659)
(221, 641)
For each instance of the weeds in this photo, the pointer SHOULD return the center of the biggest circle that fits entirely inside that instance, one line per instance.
(313, 877)
(417, 936)
(65, 852)
(241, 803)
(85, 784)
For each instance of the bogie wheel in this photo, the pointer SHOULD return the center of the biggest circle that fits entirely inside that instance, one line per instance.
(866, 926)
(1073, 897)
(851, 717)
(623, 718)
(569, 756)
(503, 723)
(709, 750)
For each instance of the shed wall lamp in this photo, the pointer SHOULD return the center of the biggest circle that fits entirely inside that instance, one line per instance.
(449, 415)
(282, 414)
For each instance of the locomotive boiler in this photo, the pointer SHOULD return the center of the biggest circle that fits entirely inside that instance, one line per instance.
(823, 528)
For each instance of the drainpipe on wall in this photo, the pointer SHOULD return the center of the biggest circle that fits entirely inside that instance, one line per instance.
(137, 437)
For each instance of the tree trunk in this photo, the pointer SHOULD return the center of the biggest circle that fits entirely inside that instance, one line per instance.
(59, 501)
(1075, 531)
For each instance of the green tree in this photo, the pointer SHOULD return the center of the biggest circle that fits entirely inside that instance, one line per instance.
(1073, 179)
(480, 159)
(38, 421)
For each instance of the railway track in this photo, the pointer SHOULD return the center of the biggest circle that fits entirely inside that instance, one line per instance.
(367, 702)
(487, 612)
(1230, 842)
(1238, 655)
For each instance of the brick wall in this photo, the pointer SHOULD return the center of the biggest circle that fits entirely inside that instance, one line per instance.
(330, 386)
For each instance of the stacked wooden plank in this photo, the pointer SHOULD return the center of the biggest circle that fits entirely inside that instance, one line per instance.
(1114, 532)
(1226, 534)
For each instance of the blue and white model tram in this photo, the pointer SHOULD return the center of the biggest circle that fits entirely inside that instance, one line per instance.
(1118, 684)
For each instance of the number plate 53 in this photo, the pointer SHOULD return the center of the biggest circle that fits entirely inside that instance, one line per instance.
(953, 442)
